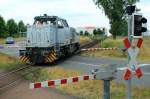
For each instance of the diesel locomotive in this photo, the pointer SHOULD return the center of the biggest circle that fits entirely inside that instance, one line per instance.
(48, 39)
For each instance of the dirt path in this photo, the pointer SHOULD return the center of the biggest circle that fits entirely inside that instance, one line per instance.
(22, 91)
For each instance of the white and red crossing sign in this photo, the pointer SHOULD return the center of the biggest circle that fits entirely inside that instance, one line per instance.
(133, 50)
(52, 83)
(128, 44)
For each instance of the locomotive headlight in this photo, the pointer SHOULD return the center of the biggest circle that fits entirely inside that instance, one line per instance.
(28, 41)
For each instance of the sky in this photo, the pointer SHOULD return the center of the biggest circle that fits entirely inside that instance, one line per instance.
(78, 13)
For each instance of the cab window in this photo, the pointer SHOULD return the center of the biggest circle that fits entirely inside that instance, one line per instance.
(65, 23)
(60, 23)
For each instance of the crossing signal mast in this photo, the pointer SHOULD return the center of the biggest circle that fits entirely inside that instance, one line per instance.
(136, 27)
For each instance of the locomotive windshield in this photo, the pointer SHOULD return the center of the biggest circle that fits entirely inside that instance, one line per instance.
(52, 20)
(45, 20)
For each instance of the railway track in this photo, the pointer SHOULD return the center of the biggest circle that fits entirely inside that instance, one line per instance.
(89, 44)
(11, 78)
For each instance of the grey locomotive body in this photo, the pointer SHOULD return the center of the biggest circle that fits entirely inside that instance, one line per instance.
(48, 39)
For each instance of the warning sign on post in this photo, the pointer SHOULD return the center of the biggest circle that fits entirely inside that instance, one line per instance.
(133, 50)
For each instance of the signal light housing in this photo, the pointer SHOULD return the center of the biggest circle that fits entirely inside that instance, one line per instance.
(138, 22)
(130, 9)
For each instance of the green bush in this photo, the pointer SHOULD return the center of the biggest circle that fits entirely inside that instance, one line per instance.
(113, 43)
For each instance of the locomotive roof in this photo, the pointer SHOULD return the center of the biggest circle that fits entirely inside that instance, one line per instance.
(46, 17)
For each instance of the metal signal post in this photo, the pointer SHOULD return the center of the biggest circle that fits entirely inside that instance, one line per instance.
(130, 10)
(129, 89)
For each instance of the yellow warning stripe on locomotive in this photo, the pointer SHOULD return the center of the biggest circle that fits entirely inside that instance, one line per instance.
(24, 59)
(51, 57)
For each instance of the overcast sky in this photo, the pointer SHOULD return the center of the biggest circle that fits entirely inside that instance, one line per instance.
(76, 12)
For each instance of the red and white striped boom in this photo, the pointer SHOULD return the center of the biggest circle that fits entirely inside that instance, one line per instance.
(106, 72)
(51, 83)
(97, 49)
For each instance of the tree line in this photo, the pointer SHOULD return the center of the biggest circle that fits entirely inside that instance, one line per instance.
(11, 28)
(95, 32)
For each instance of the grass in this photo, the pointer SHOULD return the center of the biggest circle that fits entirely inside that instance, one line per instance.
(105, 53)
(8, 62)
(145, 50)
(2, 41)
(84, 39)
(19, 39)
(92, 89)
(108, 43)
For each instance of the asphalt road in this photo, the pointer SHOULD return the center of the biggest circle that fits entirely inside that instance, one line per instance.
(12, 49)
(86, 64)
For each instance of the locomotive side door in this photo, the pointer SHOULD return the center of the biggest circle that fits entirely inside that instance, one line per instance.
(64, 34)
